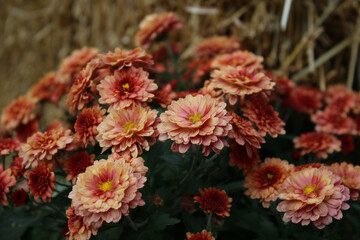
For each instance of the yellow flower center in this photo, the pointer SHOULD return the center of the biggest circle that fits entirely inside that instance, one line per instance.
(308, 189)
(126, 85)
(106, 186)
(195, 117)
(129, 125)
(269, 175)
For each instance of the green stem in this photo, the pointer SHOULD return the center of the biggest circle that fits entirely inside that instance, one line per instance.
(208, 225)
(3, 162)
(62, 184)
(173, 60)
(190, 171)
(132, 224)
(59, 166)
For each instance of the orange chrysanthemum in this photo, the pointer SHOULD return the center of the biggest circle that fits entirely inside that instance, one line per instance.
(19, 197)
(17, 167)
(6, 182)
(76, 164)
(215, 201)
(24, 131)
(244, 59)
(216, 45)
(239, 82)
(199, 120)
(165, 96)
(304, 99)
(130, 86)
(18, 112)
(313, 195)
(350, 177)
(86, 124)
(113, 185)
(318, 143)
(239, 156)
(155, 25)
(43, 146)
(78, 230)
(41, 182)
(333, 122)
(8, 145)
(264, 181)
(203, 235)
(128, 130)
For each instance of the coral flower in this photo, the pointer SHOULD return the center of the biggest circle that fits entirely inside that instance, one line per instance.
(244, 59)
(18, 112)
(126, 87)
(77, 164)
(313, 195)
(240, 158)
(209, 89)
(155, 25)
(8, 146)
(23, 131)
(41, 182)
(106, 191)
(350, 177)
(19, 197)
(318, 143)
(86, 124)
(215, 201)
(72, 65)
(137, 163)
(78, 230)
(165, 95)
(304, 99)
(43, 146)
(6, 182)
(216, 45)
(263, 115)
(199, 120)
(17, 167)
(240, 82)
(128, 130)
(309, 165)
(264, 181)
(203, 235)
(333, 122)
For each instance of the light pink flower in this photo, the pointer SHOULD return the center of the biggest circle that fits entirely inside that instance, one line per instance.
(350, 177)
(244, 59)
(216, 45)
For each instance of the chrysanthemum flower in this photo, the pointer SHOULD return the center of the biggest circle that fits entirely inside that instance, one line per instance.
(19, 197)
(304, 99)
(283, 85)
(72, 65)
(347, 144)
(240, 158)
(41, 182)
(245, 134)
(155, 25)
(342, 104)
(333, 122)
(43, 146)
(8, 145)
(18, 112)
(203, 235)
(350, 177)
(76, 164)
(137, 162)
(214, 201)
(264, 181)
(86, 124)
(263, 115)
(128, 130)
(216, 45)
(199, 120)
(165, 95)
(157, 200)
(321, 144)
(209, 89)
(126, 87)
(106, 191)
(17, 167)
(309, 165)
(24, 131)
(244, 59)
(6, 182)
(78, 230)
(335, 91)
(240, 82)
(313, 195)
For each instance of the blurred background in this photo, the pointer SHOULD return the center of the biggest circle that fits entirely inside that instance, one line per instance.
(317, 43)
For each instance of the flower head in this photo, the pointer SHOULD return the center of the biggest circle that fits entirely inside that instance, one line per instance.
(199, 120)
(41, 182)
(8, 145)
(203, 235)
(23, 131)
(309, 165)
(215, 201)
(77, 163)
(244, 59)
(333, 122)
(19, 197)
(17, 167)
(304, 99)
(128, 130)
(136, 162)
(6, 182)
(165, 95)
(77, 228)
(347, 144)
(350, 177)
(313, 195)
(209, 89)
(217, 45)
(239, 156)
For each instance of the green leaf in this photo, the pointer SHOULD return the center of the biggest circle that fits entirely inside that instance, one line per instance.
(109, 234)
(160, 221)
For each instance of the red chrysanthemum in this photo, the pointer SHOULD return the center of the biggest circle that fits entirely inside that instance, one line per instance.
(19, 197)
(165, 96)
(24, 131)
(244, 59)
(304, 99)
(333, 122)
(203, 235)
(318, 143)
(240, 158)
(215, 201)
(86, 124)
(8, 145)
(342, 104)
(6, 182)
(283, 85)
(335, 91)
(216, 45)
(77, 229)
(17, 167)
(41, 182)
(77, 164)
(347, 144)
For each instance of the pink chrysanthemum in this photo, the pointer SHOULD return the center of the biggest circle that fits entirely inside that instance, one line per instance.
(240, 158)
(18, 112)
(43, 146)
(350, 177)
(265, 180)
(199, 120)
(106, 191)
(78, 230)
(240, 82)
(203, 235)
(86, 124)
(264, 116)
(313, 195)
(41, 182)
(128, 130)
(8, 146)
(6, 182)
(216, 45)
(321, 144)
(137, 163)
(155, 25)
(304, 99)
(333, 122)
(244, 59)
(125, 88)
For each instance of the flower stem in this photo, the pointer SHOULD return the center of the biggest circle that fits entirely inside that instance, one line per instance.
(62, 184)
(3, 162)
(208, 225)
(173, 60)
(59, 166)
(190, 171)
(132, 224)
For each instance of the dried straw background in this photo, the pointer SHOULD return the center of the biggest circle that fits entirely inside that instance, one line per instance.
(319, 45)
